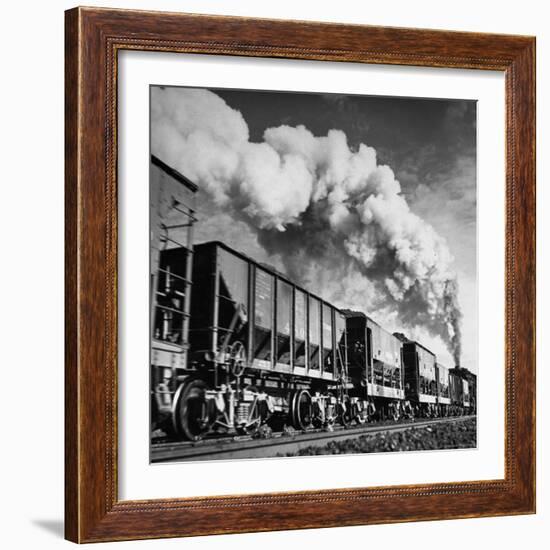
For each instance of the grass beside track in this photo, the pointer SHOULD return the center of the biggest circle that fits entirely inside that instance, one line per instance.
(448, 435)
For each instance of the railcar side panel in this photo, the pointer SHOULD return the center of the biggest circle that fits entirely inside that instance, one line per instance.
(384, 356)
(443, 390)
(263, 319)
(203, 325)
(420, 373)
(358, 367)
(375, 364)
(456, 389)
(285, 329)
(465, 393)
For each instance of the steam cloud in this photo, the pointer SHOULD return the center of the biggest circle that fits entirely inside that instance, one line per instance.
(334, 216)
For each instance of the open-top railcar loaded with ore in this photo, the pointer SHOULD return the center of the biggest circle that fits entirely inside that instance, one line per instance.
(238, 348)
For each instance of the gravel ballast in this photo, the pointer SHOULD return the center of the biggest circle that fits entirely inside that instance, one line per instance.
(447, 435)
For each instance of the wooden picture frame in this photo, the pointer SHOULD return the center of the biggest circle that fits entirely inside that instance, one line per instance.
(93, 511)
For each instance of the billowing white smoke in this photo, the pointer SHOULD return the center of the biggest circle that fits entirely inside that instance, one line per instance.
(335, 216)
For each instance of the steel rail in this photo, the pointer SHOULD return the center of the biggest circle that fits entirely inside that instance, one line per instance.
(226, 448)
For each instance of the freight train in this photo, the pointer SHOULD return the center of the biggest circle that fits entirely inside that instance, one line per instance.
(237, 347)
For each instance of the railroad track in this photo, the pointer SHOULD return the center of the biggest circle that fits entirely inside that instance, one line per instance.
(227, 448)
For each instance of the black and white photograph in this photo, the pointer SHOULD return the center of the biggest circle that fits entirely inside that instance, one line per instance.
(313, 274)
(275, 275)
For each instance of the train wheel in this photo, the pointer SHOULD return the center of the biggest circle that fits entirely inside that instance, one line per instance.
(191, 414)
(301, 410)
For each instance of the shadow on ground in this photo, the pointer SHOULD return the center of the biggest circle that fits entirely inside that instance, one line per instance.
(55, 527)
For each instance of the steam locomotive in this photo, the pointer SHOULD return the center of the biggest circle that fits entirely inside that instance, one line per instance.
(237, 347)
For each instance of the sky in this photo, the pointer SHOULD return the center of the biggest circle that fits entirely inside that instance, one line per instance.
(284, 168)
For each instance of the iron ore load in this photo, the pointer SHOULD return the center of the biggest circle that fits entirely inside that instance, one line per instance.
(237, 347)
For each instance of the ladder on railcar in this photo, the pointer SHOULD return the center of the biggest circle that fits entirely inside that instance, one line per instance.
(172, 203)
(172, 290)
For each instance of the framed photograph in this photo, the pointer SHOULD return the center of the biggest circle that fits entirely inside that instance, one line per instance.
(300, 275)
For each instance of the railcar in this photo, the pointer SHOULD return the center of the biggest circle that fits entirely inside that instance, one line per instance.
(459, 394)
(375, 369)
(260, 347)
(421, 383)
(172, 206)
(443, 390)
(471, 379)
